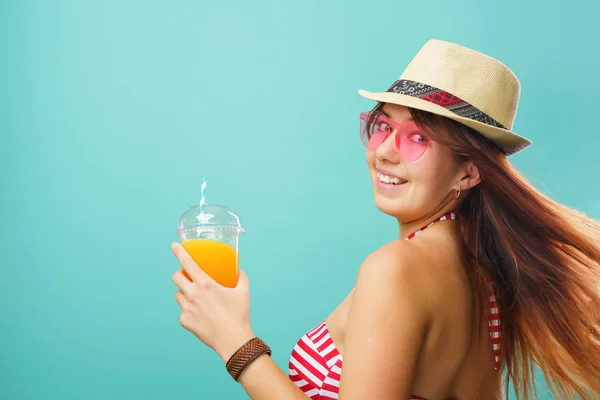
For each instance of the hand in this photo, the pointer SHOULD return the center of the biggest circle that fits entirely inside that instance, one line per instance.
(218, 316)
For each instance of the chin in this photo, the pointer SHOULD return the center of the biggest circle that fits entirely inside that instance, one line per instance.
(390, 205)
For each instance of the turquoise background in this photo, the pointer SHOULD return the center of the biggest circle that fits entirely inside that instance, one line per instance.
(111, 112)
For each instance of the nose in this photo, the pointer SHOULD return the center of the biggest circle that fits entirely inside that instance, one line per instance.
(387, 151)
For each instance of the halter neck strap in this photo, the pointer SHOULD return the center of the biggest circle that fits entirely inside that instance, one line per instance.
(442, 218)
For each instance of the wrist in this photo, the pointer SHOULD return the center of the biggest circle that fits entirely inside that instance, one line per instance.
(246, 355)
(233, 343)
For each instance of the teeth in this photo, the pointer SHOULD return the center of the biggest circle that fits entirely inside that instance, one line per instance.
(388, 179)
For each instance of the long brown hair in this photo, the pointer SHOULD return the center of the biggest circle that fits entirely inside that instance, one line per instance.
(543, 259)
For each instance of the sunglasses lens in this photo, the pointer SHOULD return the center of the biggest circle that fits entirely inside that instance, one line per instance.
(373, 129)
(410, 142)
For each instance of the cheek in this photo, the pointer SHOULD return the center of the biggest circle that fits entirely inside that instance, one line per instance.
(430, 179)
(370, 158)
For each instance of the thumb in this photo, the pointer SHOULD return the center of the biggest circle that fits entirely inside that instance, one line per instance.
(243, 280)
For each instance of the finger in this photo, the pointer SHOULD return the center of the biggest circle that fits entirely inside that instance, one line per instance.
(243, 280)
(182, 282)
(183, 302)
(188, 263)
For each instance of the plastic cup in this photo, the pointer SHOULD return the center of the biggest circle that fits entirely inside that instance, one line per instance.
(211, 238)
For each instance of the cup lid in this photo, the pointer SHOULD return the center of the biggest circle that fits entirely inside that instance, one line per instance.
(213, 217)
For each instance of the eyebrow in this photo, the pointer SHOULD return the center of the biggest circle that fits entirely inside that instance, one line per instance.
(388, 115)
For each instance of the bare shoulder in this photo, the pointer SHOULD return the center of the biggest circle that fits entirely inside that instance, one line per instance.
(392, 264)
(426, 269)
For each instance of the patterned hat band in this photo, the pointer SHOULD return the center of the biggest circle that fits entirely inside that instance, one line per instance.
(444, 99)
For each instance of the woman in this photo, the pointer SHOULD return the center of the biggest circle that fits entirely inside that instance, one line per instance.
(492, 275)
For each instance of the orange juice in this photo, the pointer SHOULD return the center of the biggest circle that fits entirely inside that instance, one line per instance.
(217, 259)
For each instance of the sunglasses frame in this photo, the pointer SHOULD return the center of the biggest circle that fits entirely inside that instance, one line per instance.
(401, 131)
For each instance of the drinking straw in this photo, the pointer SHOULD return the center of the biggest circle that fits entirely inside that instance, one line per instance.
(202, 195)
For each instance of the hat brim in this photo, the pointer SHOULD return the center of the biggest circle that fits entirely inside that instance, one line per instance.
(508, 141)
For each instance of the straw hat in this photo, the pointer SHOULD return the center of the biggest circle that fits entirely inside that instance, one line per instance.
(464, 85)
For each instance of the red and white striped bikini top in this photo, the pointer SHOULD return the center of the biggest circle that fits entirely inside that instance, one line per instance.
(316, 365)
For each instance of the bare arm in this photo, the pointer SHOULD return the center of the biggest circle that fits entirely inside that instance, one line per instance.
(220, 317)
(264, 380)
(387, 324)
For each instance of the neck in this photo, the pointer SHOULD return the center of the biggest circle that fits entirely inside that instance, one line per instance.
(408, 227)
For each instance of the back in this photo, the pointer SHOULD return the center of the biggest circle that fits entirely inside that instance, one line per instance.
(458, 356)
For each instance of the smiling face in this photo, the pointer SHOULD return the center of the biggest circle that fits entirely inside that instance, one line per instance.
(414, 177)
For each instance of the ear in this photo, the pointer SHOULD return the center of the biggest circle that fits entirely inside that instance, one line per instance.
(469, 176)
